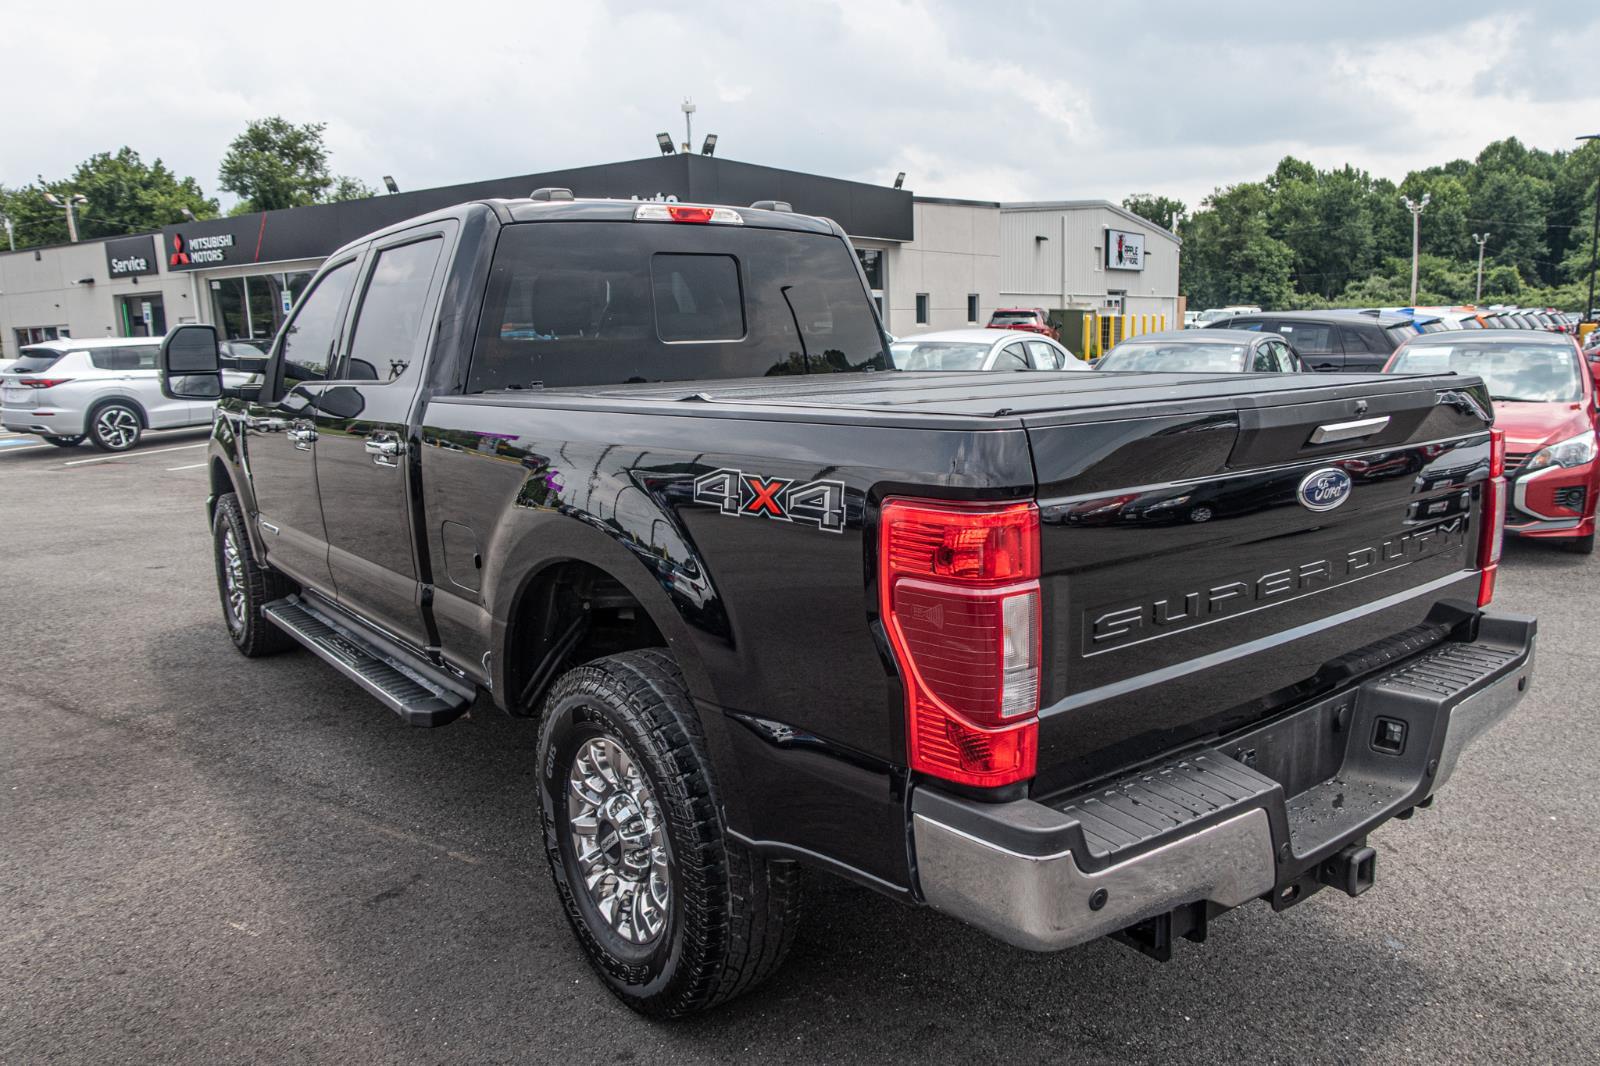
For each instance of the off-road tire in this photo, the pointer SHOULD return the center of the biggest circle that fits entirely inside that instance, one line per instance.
(732, 914)
(252, 634)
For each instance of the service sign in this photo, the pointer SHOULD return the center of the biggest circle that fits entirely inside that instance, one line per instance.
(131, 257)
(1124, 250)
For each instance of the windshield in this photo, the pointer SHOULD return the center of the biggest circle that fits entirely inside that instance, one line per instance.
(34, 360)
(1212, 316)
(938, 355)
(1013, 318)
(1175, 356)
(1514, 371)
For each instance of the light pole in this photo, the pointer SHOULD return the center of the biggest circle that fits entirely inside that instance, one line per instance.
(688, 122)
(11, 237)
(1415, 207)
(1482, 239)
(1594, 239)
(73, 199)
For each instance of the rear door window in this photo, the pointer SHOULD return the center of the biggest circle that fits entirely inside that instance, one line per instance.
(1045, 356)
(383, 345)
(1309, 338)
(142, 357)
(1011, 357)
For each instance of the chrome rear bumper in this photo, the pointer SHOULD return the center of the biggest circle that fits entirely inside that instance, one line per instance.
(1047, 877)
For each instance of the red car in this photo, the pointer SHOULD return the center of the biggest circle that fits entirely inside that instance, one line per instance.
(1027, 319)
(1544, 394)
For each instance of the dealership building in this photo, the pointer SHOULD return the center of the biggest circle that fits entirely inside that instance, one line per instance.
(931, 262)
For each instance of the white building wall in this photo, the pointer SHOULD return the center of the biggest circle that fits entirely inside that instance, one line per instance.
(46, 289)
(955, 253)
(1067, 268)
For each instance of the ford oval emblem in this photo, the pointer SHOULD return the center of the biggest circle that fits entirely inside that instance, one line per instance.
(1325, 489)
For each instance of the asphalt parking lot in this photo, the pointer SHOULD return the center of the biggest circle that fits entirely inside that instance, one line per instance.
(207, 859)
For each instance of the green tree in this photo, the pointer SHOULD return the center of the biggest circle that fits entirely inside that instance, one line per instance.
(1229, 255)
(348, 188)
(275, 164)
(125, 194)
(1162, 211)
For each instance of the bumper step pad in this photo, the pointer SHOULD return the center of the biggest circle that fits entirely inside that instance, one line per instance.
(410, 688)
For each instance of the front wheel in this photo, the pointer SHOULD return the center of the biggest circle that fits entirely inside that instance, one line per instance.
(65, 442)
(675, 915)
(245, 585)
(115, 427)
(1580, 545)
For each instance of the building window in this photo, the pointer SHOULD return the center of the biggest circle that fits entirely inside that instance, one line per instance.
(972, 307)
(922, 309)
(35, 334)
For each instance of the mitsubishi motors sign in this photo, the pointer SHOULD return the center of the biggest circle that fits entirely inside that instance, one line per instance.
(1124, 250)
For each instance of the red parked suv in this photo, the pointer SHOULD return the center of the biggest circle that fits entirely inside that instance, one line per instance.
(1545, 401)
(1027, 319)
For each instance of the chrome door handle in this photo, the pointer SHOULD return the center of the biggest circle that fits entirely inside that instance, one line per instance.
(302, 437)
(384, 448)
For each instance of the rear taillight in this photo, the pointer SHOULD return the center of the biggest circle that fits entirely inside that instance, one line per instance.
(959, 595)
(1493, 516)
(42, 383)
(726, 216)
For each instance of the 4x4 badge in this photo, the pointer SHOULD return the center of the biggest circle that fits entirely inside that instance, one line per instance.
(733, 492)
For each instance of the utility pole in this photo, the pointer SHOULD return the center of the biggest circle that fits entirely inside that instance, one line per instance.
(1594, 240)
(11, 237)
(688, 123)
(73, 199)
(1415, 207)
(1482, 239)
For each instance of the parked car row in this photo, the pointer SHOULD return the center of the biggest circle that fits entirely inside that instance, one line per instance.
(106, 391)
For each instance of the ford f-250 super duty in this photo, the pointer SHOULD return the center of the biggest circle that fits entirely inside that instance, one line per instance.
(1061, 656)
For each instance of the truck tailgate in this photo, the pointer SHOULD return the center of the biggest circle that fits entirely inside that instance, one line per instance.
(1194, 584)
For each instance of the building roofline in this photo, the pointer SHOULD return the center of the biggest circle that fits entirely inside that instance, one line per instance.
(1084, 205)
(955, 202)
(80, 240)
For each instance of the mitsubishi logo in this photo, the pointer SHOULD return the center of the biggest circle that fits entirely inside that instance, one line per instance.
(179, 257)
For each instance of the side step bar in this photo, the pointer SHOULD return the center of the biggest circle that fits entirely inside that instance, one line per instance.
(412, 689)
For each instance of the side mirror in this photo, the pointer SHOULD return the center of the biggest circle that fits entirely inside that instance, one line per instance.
(191, 364)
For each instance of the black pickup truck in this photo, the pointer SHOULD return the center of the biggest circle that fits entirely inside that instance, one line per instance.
(1062, 656)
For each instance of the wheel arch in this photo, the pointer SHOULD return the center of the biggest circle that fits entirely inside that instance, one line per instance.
(116, 397)
(543, 567)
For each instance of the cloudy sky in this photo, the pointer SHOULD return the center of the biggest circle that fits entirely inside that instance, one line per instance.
(975, 99)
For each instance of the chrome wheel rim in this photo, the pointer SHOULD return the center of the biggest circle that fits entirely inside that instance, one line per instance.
(116, 427)
(233, 579)
(619, 840)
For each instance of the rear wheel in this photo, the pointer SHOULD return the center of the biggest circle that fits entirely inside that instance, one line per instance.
(245, 585)
(115, 427)
(65, 442)
(674, 914)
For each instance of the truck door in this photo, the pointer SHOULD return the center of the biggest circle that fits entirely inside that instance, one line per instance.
(362, 421)
(280, 432)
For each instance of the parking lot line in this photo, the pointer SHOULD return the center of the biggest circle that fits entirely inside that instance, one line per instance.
(191, 466)
(126, 455)
(27, 447)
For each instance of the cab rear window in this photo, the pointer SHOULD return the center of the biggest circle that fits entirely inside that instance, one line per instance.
(598, 303)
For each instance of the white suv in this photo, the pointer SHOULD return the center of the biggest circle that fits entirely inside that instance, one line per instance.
(106, 390)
